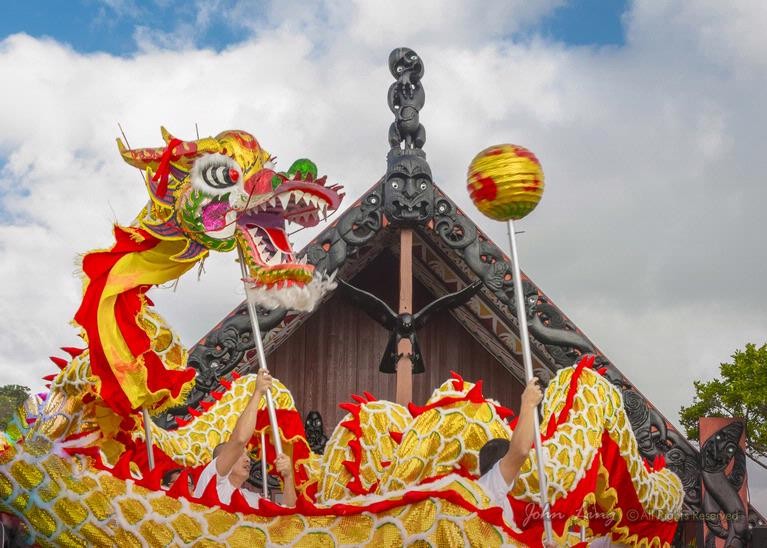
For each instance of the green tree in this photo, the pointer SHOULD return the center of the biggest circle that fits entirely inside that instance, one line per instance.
(740, 392)
(11, 396)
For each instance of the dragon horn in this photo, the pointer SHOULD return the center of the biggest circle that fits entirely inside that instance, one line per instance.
(192, 148)
(140, 157)
(166, 135)
(151, 157)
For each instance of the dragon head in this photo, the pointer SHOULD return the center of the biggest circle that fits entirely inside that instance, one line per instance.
(220, 192)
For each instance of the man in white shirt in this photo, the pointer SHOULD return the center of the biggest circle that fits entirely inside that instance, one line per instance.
(501, 460)
(230, 466)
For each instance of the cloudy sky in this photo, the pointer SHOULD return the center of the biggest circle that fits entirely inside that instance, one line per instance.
(645, 115)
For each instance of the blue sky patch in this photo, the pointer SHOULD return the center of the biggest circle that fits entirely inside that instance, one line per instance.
(98, 26)
(586, 23)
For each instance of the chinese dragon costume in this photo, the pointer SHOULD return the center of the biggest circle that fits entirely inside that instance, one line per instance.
(73, 463)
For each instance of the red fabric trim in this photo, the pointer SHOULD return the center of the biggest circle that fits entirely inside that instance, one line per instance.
(97, 267)
(586, 361)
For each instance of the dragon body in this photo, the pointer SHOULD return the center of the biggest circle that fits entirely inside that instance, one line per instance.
(73, 463)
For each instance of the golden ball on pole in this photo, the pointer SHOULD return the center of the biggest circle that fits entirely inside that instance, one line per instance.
(505, 182)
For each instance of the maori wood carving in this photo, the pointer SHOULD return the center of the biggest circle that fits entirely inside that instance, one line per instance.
(721, 499)
(405, 325)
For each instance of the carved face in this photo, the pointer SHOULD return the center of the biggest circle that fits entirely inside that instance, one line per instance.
(313, 426)
(221, 192)
(404, 61)
(314, 421)
(408, 190)
(720, 448)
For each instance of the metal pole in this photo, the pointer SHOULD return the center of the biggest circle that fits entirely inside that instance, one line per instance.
(264, 476)
(528, 362)
(148, 438)
(261, 356)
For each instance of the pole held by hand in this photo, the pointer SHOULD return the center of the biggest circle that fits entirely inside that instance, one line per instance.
(528, 362)
(253, 314)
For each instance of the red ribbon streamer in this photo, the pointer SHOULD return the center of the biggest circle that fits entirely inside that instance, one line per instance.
(163, 169)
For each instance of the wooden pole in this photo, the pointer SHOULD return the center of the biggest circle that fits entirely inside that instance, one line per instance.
(404, 365)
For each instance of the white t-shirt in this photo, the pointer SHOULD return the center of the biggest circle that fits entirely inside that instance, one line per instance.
(224, 487)
(496, 489)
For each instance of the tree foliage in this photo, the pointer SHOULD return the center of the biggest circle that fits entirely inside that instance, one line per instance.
(11, 397)
(741, 392)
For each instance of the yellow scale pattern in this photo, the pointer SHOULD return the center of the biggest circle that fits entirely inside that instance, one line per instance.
(377, 419)
(193, 443)
(66, 502)
(597, 407)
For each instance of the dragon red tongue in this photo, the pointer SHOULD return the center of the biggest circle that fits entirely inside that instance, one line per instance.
(279, 239)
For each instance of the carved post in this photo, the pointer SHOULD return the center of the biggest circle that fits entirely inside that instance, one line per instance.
(725, 489)
(408, 192)
(404, 364)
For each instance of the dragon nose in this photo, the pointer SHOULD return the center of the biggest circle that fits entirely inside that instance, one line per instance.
(260, 182)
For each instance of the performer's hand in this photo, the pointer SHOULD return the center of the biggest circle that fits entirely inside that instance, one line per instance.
(533, 394)
(263, 381)
(283, 465)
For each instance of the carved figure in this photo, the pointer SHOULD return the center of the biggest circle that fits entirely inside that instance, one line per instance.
(721, 494)
(315, 432)
(405, 325)
(406, 98)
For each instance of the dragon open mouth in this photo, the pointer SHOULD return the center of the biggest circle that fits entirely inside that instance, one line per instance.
(277, 276)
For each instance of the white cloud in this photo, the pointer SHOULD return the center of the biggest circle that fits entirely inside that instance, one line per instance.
(649, 236)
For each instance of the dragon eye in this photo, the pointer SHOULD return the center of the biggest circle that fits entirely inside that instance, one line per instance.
(215, 174)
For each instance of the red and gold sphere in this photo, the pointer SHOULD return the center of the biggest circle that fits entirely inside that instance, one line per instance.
(505, 182)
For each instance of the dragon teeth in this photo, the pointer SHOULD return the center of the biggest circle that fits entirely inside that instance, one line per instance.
(284, 200)
(273, 201)
(298, 194)
(276, 259)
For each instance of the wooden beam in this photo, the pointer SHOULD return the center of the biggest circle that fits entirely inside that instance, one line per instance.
(404, 365)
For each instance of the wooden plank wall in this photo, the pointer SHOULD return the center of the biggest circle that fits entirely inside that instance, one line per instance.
(337, 352)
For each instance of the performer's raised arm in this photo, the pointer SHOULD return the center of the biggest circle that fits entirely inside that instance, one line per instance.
(524, 433)
(501, 460)
(231, 463)
(228, 453)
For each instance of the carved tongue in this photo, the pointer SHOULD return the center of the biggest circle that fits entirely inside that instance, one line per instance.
(279, 239)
